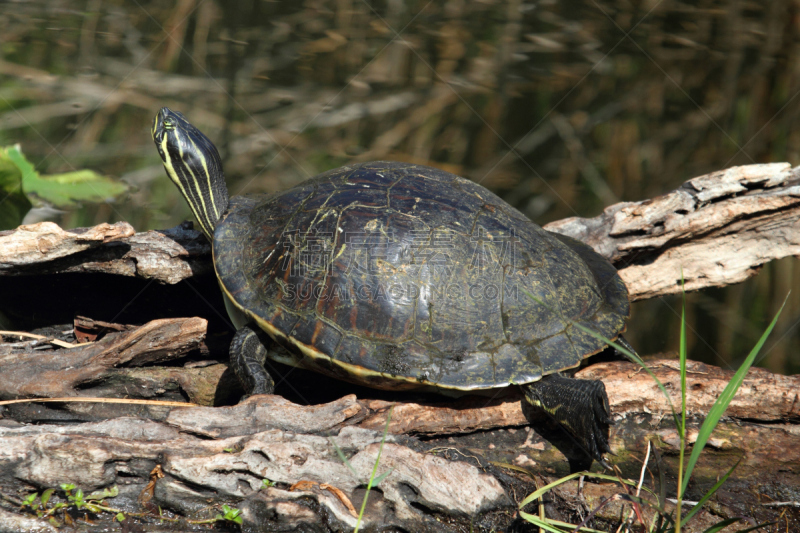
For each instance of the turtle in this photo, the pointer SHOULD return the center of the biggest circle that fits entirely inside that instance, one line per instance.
(400, 276)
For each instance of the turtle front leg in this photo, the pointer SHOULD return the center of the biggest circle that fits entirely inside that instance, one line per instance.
(579, 405)
(248, 354)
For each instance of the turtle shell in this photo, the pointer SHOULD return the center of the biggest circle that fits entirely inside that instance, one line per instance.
(396, 276)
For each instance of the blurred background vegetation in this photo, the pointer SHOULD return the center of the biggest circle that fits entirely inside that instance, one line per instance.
(561, 107)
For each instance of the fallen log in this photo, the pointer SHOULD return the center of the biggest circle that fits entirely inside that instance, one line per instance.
(719, 228)
(28, 373)
(716, 230)
(747, 215)
(224, 454)
(167, 256)
(761, 429)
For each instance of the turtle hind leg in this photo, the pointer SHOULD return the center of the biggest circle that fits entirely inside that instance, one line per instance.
(579, 405)
(248, 354)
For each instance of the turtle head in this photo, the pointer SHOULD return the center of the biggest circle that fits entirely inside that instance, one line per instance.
(192, 162)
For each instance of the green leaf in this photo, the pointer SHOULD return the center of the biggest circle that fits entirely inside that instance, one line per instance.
(717, 410)
(67, 189)
(103, 494)
(76, 498)
(230, 512)
(120, 517)
(46, 496)
(14, 202)
(66, 487)
(380, 478)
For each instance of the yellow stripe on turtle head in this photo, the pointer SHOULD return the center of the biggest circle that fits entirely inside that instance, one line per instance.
(192, 162)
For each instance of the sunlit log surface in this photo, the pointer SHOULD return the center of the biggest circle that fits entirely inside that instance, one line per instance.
(31, 372)
(224, 453)
(718, 229)
(167, 256)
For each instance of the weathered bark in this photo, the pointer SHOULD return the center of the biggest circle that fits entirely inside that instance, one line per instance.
(269, 437)
(99, 454)
(224, 453)
(167, 256)
(27, 373)
(718, 229)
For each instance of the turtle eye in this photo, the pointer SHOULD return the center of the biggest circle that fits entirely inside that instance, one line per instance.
(168, 124)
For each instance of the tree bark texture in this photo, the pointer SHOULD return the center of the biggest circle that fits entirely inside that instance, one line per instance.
(718, 229)
(452, 463)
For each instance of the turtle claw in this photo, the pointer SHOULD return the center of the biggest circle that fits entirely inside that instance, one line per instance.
(580, 406)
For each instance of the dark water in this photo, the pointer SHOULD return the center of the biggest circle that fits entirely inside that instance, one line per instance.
(561, 108)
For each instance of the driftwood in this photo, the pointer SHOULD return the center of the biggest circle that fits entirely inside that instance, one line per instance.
(719, 228)
(29, 373)
(167, 256)
(268, 437)
(438, 450)
(225, 453)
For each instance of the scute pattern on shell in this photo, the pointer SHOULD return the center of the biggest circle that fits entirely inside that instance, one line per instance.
(397, 275)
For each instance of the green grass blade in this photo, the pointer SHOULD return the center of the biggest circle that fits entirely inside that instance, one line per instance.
(638, 360)
(682, 355)
(759, 526)
(342, 456)
(374, 470)
(708, 494)
(571, 527)
(538, 493)
(719, 526)
(535, 520)
(716, 411)
(382, 477)
(659, 510)
(682, 421)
